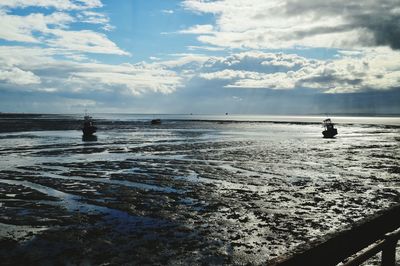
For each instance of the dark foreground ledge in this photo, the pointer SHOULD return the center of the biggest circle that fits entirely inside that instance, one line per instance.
(337, 247)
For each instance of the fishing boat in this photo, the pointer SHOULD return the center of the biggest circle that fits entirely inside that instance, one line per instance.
(330, 130)
(156, 121)
(88, 128)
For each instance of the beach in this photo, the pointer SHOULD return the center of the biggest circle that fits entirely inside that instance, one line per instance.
(193, 190)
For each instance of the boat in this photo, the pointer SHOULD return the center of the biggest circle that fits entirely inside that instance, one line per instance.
(156, 121)
(88, 128)
(330, 130)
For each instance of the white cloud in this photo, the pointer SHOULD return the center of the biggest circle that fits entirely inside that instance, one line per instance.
(270, 81)
(18, 77)
(22, 28)
(199, 29)
(93, 17)
(57, 4)
(205, 48)
(47, 90)
(76, 57)
(373, 69)
(168, 11)
(289, 23)
(78, 77)
(91, 3)
(85, 41)
(28, 57)
(229, 74)
(61, 63)
(191, 61)
(137, 79)
(53, 29)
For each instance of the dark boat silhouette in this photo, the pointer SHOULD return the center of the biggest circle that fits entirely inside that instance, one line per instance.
(156, 121)
(89, 138)
(330, 130)
(88, 128)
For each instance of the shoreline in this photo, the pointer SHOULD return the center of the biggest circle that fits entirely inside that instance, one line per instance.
(45, 122)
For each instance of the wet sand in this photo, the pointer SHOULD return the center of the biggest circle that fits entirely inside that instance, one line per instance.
(186, 192)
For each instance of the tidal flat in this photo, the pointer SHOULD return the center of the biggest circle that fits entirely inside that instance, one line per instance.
(186, 191)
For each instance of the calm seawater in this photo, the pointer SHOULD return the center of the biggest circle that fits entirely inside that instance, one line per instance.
(388, 120)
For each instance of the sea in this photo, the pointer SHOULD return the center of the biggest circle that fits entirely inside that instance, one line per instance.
(195, 189)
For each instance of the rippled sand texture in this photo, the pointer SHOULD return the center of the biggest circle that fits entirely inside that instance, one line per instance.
(188, 192)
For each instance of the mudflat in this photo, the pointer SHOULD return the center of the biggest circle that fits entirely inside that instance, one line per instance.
(185, 192)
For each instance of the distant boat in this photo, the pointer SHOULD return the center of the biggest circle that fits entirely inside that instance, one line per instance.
(88, 128)
(156, 122)
(330, 130)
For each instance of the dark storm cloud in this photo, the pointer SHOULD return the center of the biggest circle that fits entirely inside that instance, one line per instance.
(386, 30)
(381, 19)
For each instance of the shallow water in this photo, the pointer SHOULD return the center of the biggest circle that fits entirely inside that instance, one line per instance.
(193, 191)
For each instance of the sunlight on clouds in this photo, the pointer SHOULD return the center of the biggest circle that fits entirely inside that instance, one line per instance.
(18, 76)
(290, 23)
(271, 81)
(372, 71)
(137, 79)
(78, 77)
(258, 24)
(64, 47)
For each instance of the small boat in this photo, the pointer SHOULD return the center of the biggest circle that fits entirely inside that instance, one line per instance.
(88, 128)
(156, 121)
(330, 130)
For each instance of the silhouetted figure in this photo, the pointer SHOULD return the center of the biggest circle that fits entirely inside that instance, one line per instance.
(330, 131)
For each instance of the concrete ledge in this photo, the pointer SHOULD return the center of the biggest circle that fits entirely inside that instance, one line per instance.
(336, 247)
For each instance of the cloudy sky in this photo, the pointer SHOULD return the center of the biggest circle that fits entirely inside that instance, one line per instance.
(200, 56)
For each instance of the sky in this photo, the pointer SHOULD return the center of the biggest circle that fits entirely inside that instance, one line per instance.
(200, 56)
